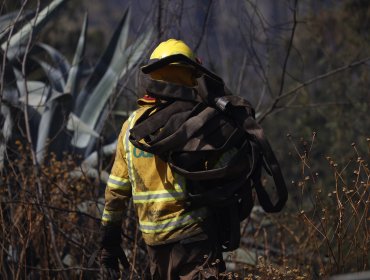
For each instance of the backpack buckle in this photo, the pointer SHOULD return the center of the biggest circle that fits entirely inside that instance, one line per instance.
(221, 103)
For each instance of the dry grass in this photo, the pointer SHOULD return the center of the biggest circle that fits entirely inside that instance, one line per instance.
(49, 221)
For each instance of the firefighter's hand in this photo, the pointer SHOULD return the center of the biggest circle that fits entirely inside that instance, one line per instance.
(109, 258)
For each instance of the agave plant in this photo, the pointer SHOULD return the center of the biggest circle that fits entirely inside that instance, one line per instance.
(60, 117)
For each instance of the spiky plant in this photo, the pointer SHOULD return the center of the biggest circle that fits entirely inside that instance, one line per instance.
(50, 107)
(59, 115)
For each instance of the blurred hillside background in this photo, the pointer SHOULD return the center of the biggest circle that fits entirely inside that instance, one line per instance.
(68, 81)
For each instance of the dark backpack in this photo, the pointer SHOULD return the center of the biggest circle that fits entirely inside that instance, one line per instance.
(193, 129)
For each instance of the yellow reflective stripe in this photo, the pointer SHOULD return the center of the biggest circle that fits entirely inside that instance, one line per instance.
(118, 187)
(128, 148)
(170, 224)
(122, 184)
(111, 216)
(157, 196)
(119, 179)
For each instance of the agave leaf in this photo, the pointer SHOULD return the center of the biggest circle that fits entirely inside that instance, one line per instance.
(10, 92)
(10, 96)
(136, 50)
(133, 54)
(115, 46)
(55, 77)
(8, 122)
(121, 64)
(36, 101)
(31, 28)
(13, 85)
(56, 72)
(36, 92)
(60, 107)
(17, 74)
(90, 173)
(39, 94)
(31, 87)
(92, 159)
(59, 97)
(8, 20)
(75, 70)
(122, 113)
(43, 132)
(34, 118)
(52, 116)
(2, 154)
(59, 60)
(6, 131)
(78, 126)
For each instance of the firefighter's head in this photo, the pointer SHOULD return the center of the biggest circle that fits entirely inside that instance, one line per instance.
(177, 73)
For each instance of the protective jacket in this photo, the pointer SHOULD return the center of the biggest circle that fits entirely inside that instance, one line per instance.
(159, 195)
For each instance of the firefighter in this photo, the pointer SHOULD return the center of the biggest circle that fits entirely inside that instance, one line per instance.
(181, 240)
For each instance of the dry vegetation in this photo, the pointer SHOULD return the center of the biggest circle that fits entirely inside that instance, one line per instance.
(311, 65)
(50, 222)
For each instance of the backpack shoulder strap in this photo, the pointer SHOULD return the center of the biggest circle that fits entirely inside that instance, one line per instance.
(240, 112)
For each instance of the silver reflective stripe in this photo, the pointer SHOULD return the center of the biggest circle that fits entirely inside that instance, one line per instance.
(129, 152)
(118, 184)
(170, 224)
(150, 197)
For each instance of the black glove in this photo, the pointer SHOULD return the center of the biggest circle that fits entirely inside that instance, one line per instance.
(109, 258)
(111, 252)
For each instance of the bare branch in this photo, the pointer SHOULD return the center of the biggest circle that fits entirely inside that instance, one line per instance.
(323, 76)
(241, 75)
(275, 102)
(258, 66)
(2, 72)
(313, 80)
(159, 20)
(204, 25)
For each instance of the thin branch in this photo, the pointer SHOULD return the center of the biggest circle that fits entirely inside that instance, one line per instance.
(323, 76)
(204, 26)
(313, 80)
(241, 75)
(26, 119)
(159, 21)
(33, 154)
(259, 69)
(2, 72)
(283, 74)
(179, 18)
(43, 206)
(315, 105)
(60, 269)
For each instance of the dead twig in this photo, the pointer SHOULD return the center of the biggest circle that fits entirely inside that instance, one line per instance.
(284, 70)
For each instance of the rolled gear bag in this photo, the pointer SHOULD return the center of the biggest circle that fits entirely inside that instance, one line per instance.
(193, 128)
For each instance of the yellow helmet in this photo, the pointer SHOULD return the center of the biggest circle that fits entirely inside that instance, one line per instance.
(171, 47)
(173, 61)
(175, 72)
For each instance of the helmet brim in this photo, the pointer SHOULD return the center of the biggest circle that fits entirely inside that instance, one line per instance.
(156, 64)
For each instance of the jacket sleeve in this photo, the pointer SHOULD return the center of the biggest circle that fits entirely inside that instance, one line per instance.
(118, 187)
